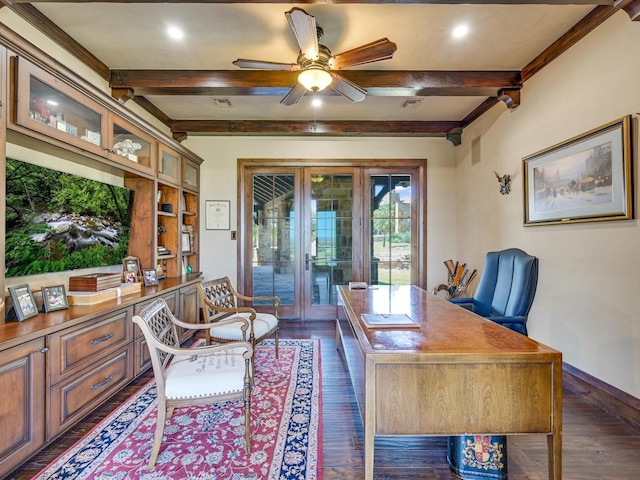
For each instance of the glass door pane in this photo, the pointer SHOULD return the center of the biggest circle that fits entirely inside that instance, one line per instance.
(391, 230)
(273, 237)
(330, 255)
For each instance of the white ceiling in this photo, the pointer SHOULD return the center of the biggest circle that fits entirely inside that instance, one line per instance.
(133, 36)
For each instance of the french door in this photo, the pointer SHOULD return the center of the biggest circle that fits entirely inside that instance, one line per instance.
(307, 229)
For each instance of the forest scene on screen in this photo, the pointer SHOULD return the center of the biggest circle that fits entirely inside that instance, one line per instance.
(57, 221)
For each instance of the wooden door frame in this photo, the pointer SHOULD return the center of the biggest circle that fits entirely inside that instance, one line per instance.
(246, 165)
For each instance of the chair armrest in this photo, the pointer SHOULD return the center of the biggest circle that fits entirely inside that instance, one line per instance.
(203, 326)
(275, 298)
(231, 310)
(207, 350)
(461, 300)
(501, 319)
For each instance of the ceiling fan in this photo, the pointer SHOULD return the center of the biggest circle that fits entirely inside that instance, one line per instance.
(315, 61)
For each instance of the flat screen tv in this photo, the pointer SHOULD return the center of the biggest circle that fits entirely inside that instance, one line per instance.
(58, 221)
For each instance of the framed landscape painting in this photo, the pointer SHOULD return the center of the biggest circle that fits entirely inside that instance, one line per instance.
(585, 179)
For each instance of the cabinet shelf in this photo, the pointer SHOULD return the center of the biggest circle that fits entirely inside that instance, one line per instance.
(167, 214)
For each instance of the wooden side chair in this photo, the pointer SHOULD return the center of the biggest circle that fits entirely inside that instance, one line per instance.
(193, 376)
(219, 301)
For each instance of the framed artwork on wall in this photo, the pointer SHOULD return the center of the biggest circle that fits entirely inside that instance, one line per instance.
(584, 179)
(217, 214)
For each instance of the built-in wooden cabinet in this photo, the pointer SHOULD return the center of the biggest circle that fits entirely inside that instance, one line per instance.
(22, 409)
(189, 308)
(164, 232)
(56, 367)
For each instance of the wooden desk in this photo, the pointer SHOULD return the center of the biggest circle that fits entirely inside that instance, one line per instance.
(457, 373)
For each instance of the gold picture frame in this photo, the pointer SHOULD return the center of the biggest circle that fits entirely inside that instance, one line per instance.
(584, 179)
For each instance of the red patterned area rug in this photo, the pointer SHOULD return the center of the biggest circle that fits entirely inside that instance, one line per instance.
(208, 442)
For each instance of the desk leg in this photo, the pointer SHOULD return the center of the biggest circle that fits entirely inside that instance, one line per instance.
(554, 449)
(369, 450)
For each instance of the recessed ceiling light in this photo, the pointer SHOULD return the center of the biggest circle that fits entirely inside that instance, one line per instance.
(175, 33)
(460, 31)
(316, 102)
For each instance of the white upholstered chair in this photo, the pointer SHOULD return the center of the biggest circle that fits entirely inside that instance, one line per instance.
(219, 301)
(193, 376)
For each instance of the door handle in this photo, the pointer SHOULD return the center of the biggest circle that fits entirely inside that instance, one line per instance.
(306, 261)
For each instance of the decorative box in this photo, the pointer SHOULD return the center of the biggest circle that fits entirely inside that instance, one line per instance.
(94, 282)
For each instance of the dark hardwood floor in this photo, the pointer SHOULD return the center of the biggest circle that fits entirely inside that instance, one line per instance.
(596, 445)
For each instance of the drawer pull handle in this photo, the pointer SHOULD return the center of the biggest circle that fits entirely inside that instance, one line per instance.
(42, 350)
(101, 384)
(101, 339)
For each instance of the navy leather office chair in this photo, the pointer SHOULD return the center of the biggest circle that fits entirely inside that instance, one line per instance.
(506, 289)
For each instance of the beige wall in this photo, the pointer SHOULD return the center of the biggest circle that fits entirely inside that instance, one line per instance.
(588, 295)
(218, 176)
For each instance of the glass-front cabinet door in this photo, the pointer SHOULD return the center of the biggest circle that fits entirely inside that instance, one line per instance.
(130, 146)
(49, 106)
(190, 175)
(169, 165)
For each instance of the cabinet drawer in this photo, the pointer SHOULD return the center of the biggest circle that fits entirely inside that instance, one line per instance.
(71, 349)
(78, 395)
(142, 359)
(172, 301)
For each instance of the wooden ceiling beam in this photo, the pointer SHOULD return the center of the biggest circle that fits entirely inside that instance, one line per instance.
(278, 83)
(296, 128)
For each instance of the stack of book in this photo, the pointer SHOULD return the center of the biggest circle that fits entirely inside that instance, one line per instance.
(162, 250)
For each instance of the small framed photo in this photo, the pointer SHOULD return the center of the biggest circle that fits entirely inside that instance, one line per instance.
(186, 243)
(150, 277)
(130, 277)
(131, 268)
(23, 302)
(54, 298)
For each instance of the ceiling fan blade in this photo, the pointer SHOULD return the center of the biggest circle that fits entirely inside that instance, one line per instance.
(259, 64)
(382, 49)
(294, 95)
(304, 28)
(347, 88)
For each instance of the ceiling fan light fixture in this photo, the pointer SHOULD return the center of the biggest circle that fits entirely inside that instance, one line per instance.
(315, 78)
